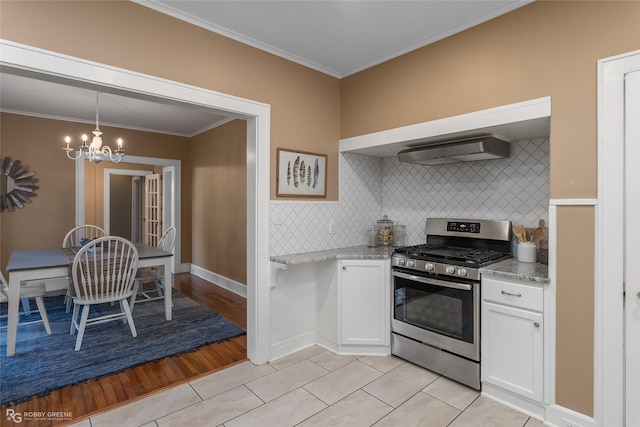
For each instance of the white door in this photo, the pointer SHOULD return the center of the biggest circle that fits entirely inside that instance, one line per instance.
(632, 248)
(152, 209)
(617, 352)
(168, 201)
(136, 209)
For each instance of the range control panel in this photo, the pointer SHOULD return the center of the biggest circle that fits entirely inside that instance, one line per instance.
(463, 227)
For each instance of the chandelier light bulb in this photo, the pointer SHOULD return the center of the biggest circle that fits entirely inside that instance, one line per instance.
(95, 152)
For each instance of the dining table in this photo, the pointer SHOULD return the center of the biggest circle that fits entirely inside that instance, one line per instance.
(49, 264)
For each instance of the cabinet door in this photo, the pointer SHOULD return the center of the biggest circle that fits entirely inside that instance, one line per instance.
(512, 349)
(364, 307)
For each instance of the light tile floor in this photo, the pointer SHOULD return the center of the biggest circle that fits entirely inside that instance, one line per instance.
(315, 387)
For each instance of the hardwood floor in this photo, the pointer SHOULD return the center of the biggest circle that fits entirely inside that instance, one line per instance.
(92, 397)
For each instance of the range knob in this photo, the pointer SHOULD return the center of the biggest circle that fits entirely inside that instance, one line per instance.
(450, 270)
(411, 263)
(401, 261)
(429, 266)
(462, 272)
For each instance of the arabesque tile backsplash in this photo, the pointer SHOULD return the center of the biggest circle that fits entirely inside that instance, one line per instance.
(516, 189)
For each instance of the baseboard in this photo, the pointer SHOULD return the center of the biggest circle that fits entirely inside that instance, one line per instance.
(521, 404)
(223, 282)
(291, 345)
(559, 416)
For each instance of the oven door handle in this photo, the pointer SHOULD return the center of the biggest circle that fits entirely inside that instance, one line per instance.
(428, 281)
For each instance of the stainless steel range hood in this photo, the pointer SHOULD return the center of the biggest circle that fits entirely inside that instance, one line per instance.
(460, 150)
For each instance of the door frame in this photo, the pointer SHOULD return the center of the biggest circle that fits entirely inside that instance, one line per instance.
(20, 58)
(609, 385)
(176, 208)
(107, 197)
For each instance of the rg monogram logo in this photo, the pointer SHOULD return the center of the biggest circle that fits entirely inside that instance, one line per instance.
(16, 417)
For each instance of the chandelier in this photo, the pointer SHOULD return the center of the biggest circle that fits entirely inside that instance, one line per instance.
(95, 152)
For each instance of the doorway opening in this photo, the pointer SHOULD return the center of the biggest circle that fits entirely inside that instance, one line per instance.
(123, 199)
(23, 59)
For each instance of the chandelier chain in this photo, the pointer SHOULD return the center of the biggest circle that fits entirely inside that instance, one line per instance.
(97, 111)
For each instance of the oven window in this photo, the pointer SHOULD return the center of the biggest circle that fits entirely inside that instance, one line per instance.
(439, 309)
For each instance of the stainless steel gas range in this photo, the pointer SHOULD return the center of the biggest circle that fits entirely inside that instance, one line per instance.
(436, 295)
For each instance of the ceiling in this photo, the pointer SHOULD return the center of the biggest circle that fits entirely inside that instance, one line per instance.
(338, 38)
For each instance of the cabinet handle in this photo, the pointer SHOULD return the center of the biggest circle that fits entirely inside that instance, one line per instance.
(344, 267)
(510, 294)
(536, 324)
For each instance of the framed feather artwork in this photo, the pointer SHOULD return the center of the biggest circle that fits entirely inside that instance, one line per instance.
(301, 174)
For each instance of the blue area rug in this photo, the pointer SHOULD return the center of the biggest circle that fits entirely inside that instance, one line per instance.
(47, 362)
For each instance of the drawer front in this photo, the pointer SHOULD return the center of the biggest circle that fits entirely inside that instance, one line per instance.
(513, 294)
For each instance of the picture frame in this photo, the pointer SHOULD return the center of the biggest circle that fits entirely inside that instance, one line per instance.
(301, 174)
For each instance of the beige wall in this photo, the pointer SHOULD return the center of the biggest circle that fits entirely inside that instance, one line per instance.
(219, 201)
(218, 178)
(575, 308)
(542, 49)
(305, 104)
(37, 143)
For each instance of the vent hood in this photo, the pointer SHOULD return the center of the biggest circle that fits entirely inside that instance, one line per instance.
(460, 150)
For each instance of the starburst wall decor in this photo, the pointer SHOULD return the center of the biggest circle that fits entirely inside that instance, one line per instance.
(17, 185)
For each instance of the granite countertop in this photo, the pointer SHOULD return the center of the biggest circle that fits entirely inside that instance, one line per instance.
(510, 268)
(513, 269)
(353, 252)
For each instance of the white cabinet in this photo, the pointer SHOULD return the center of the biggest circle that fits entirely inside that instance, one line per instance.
(353, 306)
(364, 308)
(512, 338)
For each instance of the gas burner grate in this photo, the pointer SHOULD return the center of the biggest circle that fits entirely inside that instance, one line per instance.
(430, 252)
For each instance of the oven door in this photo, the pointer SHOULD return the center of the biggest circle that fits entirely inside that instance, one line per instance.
(441, 313)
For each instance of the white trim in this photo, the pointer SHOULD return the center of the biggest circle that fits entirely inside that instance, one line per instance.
(513, 400)
(23, 58)
(305, 202)
(550, 317)
(632, 248)
(169, 198)
(107, 191)
(609, 268)
(519, 112)
(573, 202)
(222, 281)
(563, 417)
(294, 344)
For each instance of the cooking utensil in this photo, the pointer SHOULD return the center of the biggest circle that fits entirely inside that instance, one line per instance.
(520, 232)
(538, 234)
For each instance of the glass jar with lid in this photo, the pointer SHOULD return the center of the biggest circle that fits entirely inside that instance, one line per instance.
(399, 234)
(384, 230)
